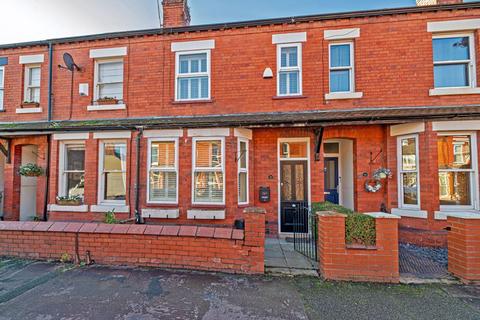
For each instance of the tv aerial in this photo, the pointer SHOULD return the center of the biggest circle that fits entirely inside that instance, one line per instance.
(71, 66)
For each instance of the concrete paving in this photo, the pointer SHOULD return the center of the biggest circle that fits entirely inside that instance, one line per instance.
(281, 258)
(48, 291)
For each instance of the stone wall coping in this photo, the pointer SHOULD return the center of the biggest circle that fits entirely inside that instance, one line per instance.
(330, 214)
(257, 210)
(131, 229)
(464, 215)
(382, 215)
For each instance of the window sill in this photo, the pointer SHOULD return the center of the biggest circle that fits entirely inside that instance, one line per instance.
(410, 213)
(106, 208)
(161, 213)
(59, 208)
(453, 91)
(289, 97)
(192, 101)
(198, 214)
(343, 95)
(107, 107)
(466, 214)
(28, 110)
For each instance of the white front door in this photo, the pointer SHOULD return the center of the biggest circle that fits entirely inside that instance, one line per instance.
(28, 186)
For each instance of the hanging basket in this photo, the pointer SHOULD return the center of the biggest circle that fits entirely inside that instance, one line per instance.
(373, 185)
(30, 170)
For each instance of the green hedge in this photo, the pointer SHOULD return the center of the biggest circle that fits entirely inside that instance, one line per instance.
(359, 228)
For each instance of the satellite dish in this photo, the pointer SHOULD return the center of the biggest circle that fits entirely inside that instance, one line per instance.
(69, 62)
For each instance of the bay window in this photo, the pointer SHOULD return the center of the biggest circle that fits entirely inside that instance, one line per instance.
(457, 170)
(163, 171)
(113, 172)
(109, 79)
(32, 83)
(408, 172)
(208, 171)
(72, 169)
(454, 61)
(242, 162)
(193, 75)
(289, 62)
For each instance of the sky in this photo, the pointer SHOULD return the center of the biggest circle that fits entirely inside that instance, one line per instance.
(30, 20)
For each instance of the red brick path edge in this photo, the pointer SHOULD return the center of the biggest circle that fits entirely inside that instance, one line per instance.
(337, 261)
(186, 247)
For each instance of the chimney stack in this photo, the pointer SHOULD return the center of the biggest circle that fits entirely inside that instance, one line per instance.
(421, 3)
(176, 13)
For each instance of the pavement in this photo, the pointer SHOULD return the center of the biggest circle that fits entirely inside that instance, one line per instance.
(281, 258)
(49, 291)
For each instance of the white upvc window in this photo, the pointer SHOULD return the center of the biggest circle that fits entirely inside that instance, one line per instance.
(112, 172)
(408, 172)
(457, 171)
(192, 74)
(208, 171)
(242, 163)
(2, 86)
(163, 171)
(342, 72)
(72, 169)
(454, 61)
(109, 79)
(289, 69)
(32, 83)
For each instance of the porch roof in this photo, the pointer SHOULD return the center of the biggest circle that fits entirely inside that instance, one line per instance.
(312, 118)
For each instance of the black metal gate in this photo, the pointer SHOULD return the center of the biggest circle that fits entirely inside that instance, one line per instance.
(305, 231)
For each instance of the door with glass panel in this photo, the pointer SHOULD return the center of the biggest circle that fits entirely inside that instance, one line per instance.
(408, 172)
(331, 180)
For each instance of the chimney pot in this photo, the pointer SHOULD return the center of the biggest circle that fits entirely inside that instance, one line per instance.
(176, 13)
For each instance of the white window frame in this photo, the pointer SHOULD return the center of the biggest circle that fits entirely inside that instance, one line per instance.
(179, 75)
(62, 172)
(400, 172)
(298, 68)
(101, 180)
(472, 72)
(96, 83)
(473, 172)
(243, 170)
(2, 88)
(162, 169)
(351, 68)
(27, 87)
(195, 169)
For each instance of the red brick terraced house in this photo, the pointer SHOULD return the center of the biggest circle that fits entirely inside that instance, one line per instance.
(191, 124)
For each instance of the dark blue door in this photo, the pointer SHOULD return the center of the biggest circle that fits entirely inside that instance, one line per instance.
(331, 180)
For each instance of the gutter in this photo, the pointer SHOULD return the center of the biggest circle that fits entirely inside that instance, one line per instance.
(138, 216)
(47, 178)
(50, 81)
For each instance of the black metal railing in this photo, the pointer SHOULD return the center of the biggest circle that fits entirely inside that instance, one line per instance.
(305, 231)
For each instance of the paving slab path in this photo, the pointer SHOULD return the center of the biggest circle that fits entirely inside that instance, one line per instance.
(41, 290)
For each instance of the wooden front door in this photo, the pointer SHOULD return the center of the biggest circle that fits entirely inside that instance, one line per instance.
(293, 194)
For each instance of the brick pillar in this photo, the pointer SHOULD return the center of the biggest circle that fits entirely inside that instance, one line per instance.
(331, 241)
(255, 238)
(464, 247)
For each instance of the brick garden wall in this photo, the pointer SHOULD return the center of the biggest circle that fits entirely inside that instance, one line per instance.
(338, 261)
(464, 247)
(186, 247)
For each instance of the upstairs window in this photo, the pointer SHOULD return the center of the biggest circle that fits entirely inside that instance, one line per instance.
(209, 168)
(163, 171)
(113, 172)
(72, 169)
(32, 83)
(289, 69)
(341, 67)
(2, 77)
(454, 61)
(193, 76)
(109, 79)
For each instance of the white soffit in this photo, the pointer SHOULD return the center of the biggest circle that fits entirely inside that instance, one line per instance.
(71, 136)
(108, 52)
(36, 58)
(242, 133)
(453, 25)
(456, 125)
(214, 132)
(113, 135)
(289, 38)
(341, 34)
(193, 45)
(163, 133)
(407, 128)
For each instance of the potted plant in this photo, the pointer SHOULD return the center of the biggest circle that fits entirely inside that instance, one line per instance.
(107, 100)
(74, 200)
(30, 170)
(30, 104)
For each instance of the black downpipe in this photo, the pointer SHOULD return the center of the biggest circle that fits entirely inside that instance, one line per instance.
(138, 216)
(47, 178)
(50, 81)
